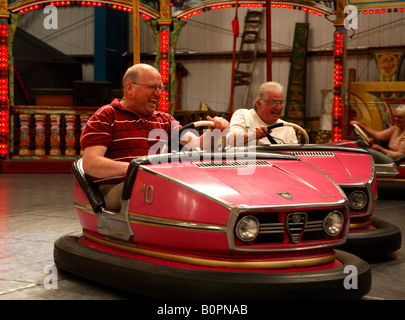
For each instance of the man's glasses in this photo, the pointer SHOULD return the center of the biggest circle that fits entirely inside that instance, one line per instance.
(397, 117)
(274, 103)
(152, 87)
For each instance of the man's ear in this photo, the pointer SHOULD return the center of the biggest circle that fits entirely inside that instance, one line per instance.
(129, 89)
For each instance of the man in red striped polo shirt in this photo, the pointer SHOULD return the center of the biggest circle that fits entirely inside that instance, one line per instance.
(117, 133)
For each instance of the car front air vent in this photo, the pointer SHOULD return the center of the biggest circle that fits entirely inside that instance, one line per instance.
(313, 154)
(233, 164)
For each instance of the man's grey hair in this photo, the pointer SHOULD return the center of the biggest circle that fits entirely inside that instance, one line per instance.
(264, 88)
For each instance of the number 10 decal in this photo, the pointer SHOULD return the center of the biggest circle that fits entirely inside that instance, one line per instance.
(147, 194)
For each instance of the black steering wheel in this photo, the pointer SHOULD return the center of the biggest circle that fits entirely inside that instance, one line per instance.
(286, 124)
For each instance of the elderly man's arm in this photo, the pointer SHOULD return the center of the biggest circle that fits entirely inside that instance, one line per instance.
(236, 136)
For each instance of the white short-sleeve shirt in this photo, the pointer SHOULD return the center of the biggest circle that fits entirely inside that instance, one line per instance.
(248, 119)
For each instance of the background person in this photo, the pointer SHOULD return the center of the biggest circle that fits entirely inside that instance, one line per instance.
(251, 124)
(394, 135)
(118, 132)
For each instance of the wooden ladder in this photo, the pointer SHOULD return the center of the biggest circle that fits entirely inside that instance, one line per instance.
(248, 50)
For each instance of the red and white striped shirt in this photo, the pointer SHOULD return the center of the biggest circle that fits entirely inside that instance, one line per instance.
(125, 135)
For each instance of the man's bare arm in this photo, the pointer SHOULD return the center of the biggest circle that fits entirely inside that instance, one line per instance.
(97, 165)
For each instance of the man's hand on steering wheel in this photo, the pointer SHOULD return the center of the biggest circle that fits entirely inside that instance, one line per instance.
(220, 123)
(261, 132)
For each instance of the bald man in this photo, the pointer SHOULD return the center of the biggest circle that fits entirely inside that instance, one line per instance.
(120, 131)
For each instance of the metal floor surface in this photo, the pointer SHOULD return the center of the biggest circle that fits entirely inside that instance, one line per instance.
(36, 209)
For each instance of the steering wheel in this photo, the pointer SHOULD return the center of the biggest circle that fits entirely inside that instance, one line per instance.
(361, 133)
(178, 133)
(287, 124)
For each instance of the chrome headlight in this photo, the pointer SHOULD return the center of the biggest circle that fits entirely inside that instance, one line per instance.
(333, 223)
(357, 200)
(247, 228)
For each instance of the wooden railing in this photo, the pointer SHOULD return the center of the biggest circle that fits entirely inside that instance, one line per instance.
(48, 131)
(43, 132)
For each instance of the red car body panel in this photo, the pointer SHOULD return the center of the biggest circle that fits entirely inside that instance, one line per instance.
(178, 233)
(186, 194)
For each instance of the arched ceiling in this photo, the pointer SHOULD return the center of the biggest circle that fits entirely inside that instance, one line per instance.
(184, 9)
(181, 9)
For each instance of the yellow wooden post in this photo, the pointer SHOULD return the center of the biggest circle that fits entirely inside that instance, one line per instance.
(135, 30)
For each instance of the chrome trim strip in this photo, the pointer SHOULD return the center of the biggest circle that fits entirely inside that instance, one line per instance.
(316, 225)
(271, 227)
(266, 264)
(245, 208)
(140, 218)
(165, 222)
(278, 227)
(86, 207)
(387, 170)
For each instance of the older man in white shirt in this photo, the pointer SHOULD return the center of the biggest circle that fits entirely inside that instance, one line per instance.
(248, 125)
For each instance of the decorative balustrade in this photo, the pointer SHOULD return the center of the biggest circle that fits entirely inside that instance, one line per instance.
(48, 132)
(53, 132)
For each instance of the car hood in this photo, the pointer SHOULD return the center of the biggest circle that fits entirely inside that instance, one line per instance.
(345, 165)
(342, 167)
(266, 183)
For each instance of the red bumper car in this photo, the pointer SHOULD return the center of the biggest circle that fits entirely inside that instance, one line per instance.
(236, 224)
(354, 170)
(387, 172)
